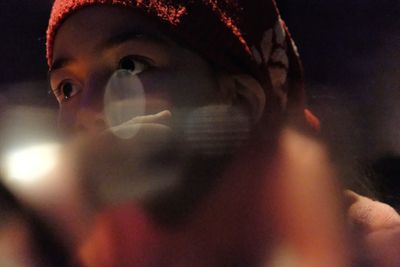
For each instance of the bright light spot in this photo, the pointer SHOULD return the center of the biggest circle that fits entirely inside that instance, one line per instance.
(26, 166)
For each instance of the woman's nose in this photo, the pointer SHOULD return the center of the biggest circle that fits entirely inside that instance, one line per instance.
(90, 114)
(89, 121)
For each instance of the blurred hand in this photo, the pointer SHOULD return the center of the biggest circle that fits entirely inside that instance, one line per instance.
(286, 208)
(306, 205)
(282, 207)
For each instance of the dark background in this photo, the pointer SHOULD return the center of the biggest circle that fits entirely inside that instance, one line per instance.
(351, 53)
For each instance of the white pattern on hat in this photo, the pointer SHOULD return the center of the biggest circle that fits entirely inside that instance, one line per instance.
(266, 45)
(279, 56)
(273, 54)
(280, 34)
(295, 49)
(278, 76)
(256, 55)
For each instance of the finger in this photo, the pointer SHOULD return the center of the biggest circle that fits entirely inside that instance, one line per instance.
(370, 215)
(129, 129)
(163, 116)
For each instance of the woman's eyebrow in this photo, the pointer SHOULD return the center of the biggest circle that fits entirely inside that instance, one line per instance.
(59, 63)
(132, 36)
(115, 40)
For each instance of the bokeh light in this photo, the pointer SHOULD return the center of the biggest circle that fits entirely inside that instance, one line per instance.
(25, 166)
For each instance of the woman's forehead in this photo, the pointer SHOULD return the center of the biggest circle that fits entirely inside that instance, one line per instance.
(97, 24)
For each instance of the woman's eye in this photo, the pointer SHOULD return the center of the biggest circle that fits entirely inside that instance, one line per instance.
(133, 64)
(67, 90)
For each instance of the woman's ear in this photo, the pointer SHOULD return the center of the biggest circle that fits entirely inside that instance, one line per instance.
(243, 90)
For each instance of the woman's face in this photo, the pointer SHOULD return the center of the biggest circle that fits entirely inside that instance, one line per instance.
(95, 42)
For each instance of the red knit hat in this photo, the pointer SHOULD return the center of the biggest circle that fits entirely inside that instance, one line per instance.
(238, 35)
